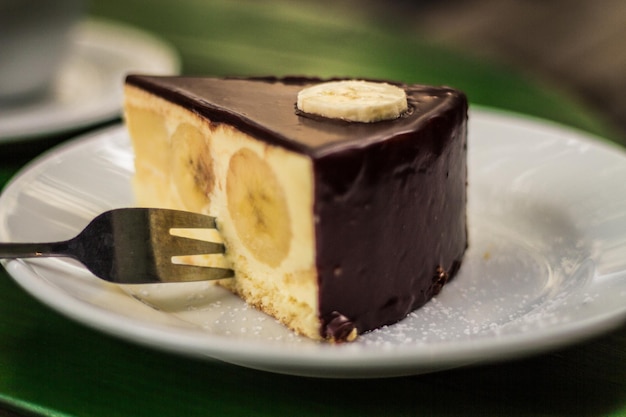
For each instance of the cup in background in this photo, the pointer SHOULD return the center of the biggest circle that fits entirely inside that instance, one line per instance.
(34, 41)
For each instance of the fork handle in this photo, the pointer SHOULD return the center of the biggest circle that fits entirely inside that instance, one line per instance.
(33, 250)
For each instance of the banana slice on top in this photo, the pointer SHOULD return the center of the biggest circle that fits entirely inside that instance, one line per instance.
(353, 100)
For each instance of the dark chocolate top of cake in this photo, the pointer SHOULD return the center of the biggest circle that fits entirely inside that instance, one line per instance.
(266, 108)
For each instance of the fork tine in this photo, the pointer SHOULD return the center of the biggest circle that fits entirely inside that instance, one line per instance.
(172, 219)
(170, 245)
(187, 273)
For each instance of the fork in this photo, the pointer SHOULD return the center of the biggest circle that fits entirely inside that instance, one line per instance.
(133, 246)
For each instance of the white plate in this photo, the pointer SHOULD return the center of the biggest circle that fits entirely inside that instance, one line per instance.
(88, 89)
(546, 265)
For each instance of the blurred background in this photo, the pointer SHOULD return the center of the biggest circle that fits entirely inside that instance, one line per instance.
(556, 59)
(576, 45)
(560, 60)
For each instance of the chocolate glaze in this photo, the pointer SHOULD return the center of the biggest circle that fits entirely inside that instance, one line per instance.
(389, 196)
(338, 327)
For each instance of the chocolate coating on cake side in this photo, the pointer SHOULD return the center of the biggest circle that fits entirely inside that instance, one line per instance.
(392, 220)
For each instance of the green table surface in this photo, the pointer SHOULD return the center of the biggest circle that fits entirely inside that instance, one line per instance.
(50, 365)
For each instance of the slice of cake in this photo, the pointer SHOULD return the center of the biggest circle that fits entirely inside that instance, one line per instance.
(336, 220)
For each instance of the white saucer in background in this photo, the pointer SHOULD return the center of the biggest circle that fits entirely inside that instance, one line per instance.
(89, 87)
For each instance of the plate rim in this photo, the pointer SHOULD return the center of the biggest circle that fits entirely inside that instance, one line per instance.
(335, 362)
